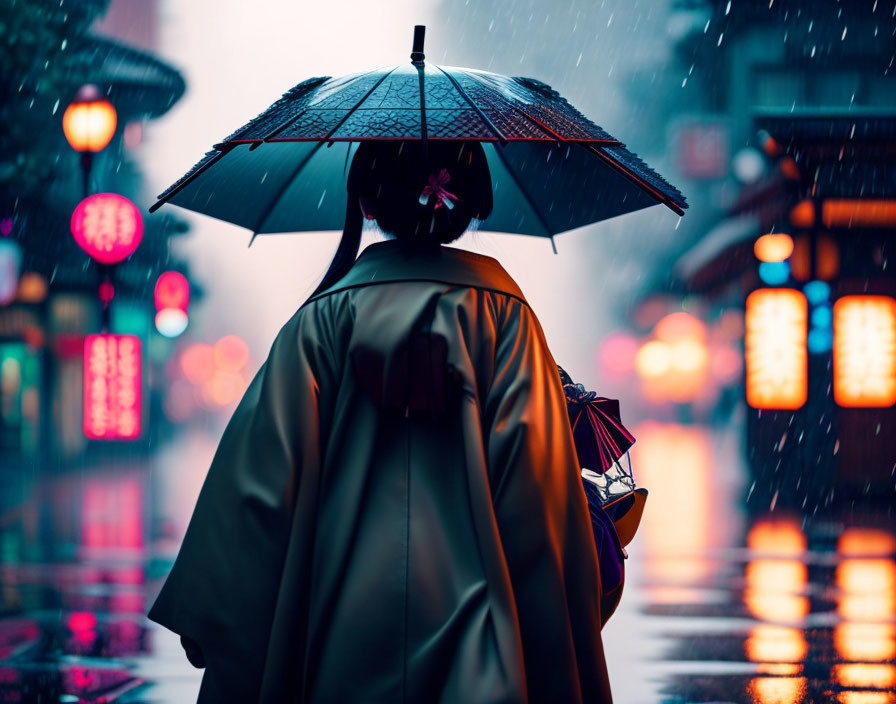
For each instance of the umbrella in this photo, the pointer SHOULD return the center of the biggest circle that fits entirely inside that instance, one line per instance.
(552, 169)
(601, 438)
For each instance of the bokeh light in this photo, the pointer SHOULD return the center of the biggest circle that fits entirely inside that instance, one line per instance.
(107, 226)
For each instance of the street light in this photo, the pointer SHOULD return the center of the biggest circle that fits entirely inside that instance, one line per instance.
(89, 123)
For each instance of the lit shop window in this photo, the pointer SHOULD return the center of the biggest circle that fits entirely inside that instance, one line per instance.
(775, 344)
(865, 351)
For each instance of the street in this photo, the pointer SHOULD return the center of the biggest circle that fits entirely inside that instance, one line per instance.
(719, 605)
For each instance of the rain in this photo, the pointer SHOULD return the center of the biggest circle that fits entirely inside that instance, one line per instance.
(173, 189)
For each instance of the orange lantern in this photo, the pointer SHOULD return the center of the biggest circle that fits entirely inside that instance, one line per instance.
(112, 387)
(776, 323)
(773, 247)
(864, 352)
(89, 122)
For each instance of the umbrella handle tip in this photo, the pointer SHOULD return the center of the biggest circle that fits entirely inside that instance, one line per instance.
(417, 48)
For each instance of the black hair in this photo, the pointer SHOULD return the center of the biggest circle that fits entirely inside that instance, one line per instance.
(386, 181)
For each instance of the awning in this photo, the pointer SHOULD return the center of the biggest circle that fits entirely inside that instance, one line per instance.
(139, 84)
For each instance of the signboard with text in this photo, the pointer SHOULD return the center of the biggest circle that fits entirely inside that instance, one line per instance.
(112, 387)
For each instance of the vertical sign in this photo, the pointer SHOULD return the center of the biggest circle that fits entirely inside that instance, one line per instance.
(865, 351)
(112, 381)
(775, 345)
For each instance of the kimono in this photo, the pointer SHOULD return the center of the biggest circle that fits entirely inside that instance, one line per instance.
(395, 512)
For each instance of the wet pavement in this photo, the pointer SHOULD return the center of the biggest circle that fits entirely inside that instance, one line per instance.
(720, 605)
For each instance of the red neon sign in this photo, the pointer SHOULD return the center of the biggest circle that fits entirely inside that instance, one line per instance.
(108, 227)
(112, 381)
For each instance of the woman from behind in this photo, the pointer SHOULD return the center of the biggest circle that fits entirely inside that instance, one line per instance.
(395, 512)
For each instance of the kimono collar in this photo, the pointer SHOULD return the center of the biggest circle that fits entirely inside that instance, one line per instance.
(391, 260)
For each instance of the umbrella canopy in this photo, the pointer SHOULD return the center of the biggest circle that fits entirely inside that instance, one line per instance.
(552, 169)
(601, 438)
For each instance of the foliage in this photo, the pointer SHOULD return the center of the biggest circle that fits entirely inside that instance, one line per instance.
(39, 73)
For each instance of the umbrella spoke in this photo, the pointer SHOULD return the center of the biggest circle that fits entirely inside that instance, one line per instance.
(283, 187)
(475, 107)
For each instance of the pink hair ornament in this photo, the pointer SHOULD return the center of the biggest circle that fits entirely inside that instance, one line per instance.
(435, 187)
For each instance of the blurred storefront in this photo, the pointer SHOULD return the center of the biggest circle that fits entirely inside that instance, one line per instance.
(52, 293)
(789, 141)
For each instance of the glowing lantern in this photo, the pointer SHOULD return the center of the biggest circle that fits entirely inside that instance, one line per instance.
(865, 351)
(89, 122)
(172, 291)
(775, 342)
(112, 387)
(108, 227)
(171, 322)
(32, 287)
(773, 247)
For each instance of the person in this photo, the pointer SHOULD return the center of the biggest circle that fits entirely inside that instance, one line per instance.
(395, 511)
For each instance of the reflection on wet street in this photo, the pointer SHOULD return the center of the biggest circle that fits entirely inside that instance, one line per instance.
(726, 606)
(720, 604)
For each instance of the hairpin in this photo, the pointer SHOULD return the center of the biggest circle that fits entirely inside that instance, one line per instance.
(435, 187)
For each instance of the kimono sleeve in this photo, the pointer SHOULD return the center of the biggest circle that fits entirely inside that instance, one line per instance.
(542, 515)
(223, 587)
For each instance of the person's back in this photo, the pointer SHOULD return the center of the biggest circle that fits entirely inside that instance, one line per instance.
(395, 513)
